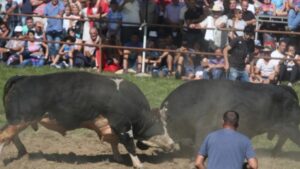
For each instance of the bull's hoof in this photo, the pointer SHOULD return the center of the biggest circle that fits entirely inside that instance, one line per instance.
(138, 166)
(22, 153)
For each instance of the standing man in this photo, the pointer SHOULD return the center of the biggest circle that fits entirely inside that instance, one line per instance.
(54, 8)
(226, 148)
(238, 49)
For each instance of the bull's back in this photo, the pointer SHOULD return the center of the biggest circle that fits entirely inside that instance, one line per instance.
(70, 97)
(200, 104)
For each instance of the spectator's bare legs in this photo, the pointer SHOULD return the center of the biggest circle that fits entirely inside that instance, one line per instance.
(180, 65)
(170, 63)
(56, 59)
(125, 60)
(139, 64)
(71, 61)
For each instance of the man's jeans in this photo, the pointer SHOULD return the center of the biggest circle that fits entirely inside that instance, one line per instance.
(293, 19)
(53, 47)
(235, 74)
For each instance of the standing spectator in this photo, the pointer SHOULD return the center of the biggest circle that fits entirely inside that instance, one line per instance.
(248, 16)
(38, 7)
(237, 60)
(28, 26)
(215, 67)
(75, 3)
(172, 17)
(66, 20)
(289, 69)
(4, 33)
(229, 9)
(130, 13)
(194, 14)
(226, 148)
(13, 20)
(114, 18)
(90, 11)
(279, 52)
(236, 23)
(54, 27)
(266, 68)
(26, 8)
(214, 38)
(75, 14)
(294, 15)
(132, 58)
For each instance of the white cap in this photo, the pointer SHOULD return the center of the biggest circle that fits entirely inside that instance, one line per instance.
(18, 29)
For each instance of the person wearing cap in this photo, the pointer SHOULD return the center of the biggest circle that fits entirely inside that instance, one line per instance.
(266, 67)
(236, 62)
(213, 37)
(226, 148)
(289, 70)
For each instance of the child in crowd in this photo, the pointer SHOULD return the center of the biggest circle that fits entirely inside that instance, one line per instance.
(65, 54)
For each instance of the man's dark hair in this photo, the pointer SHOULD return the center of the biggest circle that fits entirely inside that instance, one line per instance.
(231, 118)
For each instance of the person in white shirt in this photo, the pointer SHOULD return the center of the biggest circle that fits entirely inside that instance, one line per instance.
(279, 52)
(266, 67)
(214, 37)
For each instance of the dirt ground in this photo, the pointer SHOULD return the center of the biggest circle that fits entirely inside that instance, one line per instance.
(83, 150)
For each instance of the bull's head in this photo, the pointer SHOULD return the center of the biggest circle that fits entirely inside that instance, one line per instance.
(156, 134)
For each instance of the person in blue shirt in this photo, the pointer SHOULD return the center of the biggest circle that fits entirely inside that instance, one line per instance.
(226, 148)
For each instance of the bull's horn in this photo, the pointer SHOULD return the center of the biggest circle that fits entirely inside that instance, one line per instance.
(149, 143)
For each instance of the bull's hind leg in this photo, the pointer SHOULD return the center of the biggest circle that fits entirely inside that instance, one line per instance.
(10, 133)
(52, 124)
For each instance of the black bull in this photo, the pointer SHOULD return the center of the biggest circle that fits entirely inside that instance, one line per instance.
(114, 108)
(195, 108)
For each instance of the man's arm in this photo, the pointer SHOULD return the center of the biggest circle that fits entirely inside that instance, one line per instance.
(199, 162)
(225, 53)
(252, 163)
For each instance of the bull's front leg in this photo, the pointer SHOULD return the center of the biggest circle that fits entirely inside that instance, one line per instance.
(10, 133)
(128, 142)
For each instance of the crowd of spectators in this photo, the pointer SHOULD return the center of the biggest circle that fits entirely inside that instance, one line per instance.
(194, 26)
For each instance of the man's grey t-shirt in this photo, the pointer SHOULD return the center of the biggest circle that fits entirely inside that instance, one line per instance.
(226, 149)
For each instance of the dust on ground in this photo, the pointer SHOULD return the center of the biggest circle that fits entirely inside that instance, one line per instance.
(83, 150)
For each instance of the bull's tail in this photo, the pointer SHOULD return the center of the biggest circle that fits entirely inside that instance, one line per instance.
(10, 82)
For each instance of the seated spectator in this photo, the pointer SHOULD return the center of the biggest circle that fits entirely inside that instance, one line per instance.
(4, 33)
(294, 15)
(92, 53)
(132, 58)
(65, 54)
(288, 70)
(252, 63)
(214, 38)
(14, 48)
(281, 7)
(112, 55)
(39, 31)
(266, 67)
(33, 53)
(236, 23)
(267, 8)
(158, 63)
(215, 66)
(184, 63)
